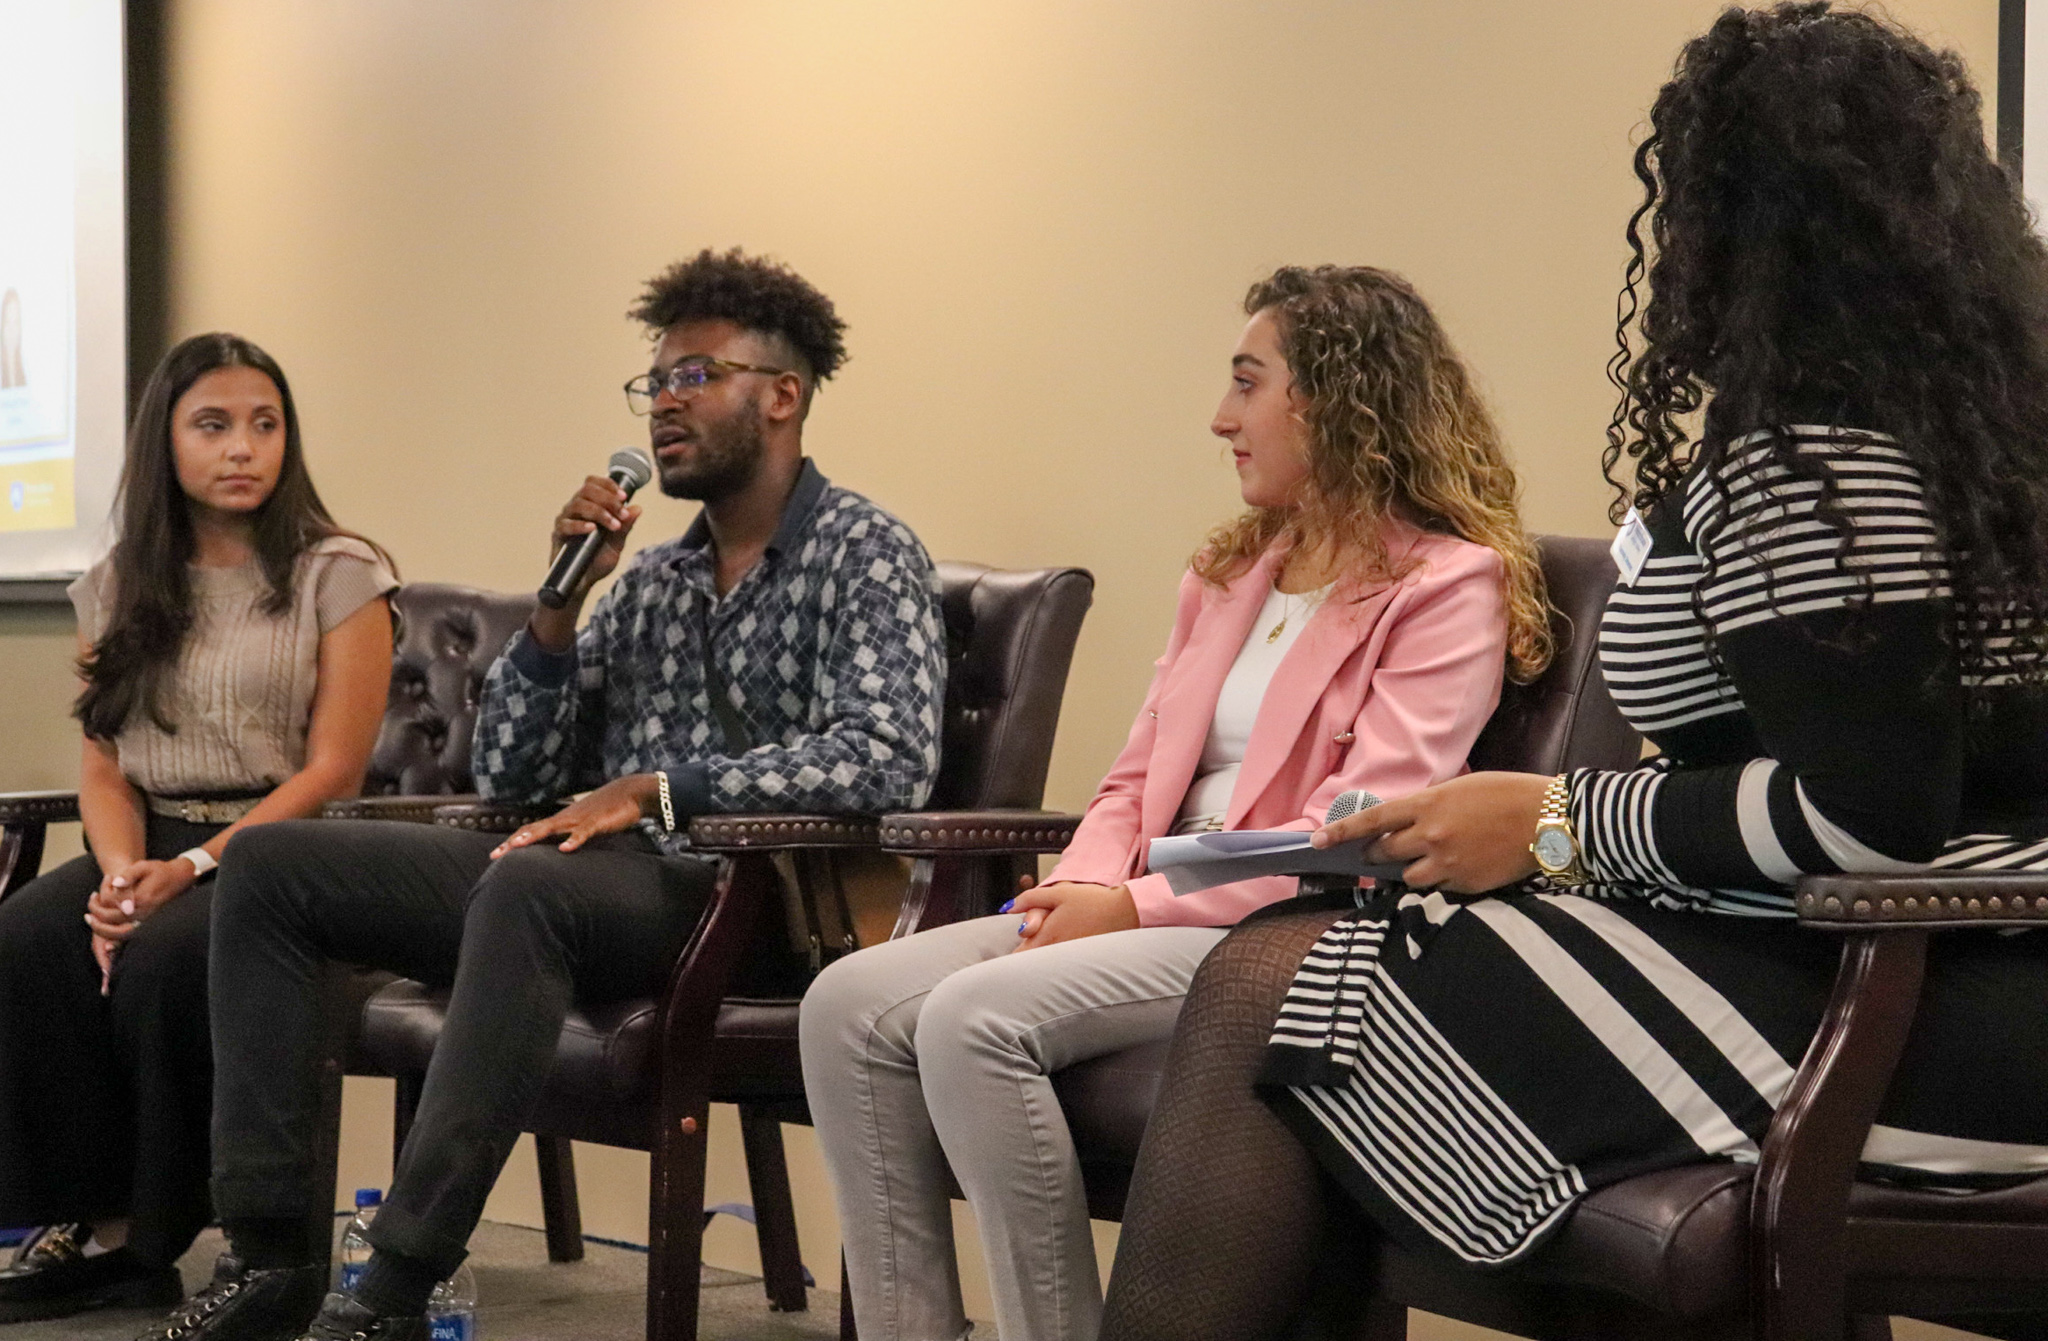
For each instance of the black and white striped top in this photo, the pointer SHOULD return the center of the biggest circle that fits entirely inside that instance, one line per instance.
(1827, 728)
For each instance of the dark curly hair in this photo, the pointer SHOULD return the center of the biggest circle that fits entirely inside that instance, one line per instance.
(1830, 242)
(754, 292)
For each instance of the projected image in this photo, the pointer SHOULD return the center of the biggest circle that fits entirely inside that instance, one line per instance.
(37, 348)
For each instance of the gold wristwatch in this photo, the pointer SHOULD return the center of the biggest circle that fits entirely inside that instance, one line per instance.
(1556, 848)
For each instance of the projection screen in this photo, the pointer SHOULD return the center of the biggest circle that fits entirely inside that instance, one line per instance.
(63, 277)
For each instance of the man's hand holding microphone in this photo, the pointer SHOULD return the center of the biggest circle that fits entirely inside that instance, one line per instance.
(590, 535)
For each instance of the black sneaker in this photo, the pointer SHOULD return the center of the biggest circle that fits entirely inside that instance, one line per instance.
(242, 1304)
(343, 1319)
(51, 1277)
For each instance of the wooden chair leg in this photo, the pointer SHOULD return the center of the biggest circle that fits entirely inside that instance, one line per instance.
(675, 1228)
(560, 1209)
(782, 1267)
(1798, 1264)
(849, 1330)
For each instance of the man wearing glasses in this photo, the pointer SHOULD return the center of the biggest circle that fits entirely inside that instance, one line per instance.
(785, 653)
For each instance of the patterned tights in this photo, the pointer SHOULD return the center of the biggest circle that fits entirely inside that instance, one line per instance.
(1228, 1212)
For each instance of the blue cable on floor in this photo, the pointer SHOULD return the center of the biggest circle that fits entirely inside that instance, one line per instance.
(740, 1210)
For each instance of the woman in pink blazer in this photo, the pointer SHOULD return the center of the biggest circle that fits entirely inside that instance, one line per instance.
(1350, 630)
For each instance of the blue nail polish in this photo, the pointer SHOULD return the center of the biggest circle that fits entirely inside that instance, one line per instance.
(1007, 907)
(1023, 928)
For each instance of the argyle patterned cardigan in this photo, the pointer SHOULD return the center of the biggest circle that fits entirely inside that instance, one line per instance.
(831, 650)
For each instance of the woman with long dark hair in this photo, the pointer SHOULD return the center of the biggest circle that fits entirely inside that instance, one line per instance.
(1832, 621)
(1348, 630)
(235, 648)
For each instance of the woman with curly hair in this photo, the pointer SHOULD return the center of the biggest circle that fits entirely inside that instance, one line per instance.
(1831, 620)
(1350, 630)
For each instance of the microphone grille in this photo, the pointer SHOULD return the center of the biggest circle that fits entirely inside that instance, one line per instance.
(1350, 803)
(634, 465)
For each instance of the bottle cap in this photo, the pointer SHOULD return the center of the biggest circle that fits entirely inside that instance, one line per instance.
(369, 1196)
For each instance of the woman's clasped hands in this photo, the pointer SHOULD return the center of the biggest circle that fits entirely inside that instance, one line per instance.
(1466, 836)
(1068, 910)
(126, 896)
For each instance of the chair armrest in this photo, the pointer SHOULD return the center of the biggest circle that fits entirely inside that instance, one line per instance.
(489, 816)
(1924, 901)
(411, 809)
(981, 833)
(38, 807)
(757, 833)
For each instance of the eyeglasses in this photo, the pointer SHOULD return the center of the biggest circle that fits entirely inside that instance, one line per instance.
(685, 380)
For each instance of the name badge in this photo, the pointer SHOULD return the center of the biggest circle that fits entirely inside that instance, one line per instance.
(1631, 547)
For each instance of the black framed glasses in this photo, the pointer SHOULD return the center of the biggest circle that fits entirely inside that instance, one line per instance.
(685, 380)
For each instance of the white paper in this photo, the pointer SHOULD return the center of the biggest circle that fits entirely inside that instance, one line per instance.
(1198, 861)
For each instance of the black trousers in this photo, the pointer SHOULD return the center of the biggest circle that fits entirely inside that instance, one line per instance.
(518, 939)
(104, 1100)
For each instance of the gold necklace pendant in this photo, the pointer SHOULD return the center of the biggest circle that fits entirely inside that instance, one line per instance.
(1278, 629)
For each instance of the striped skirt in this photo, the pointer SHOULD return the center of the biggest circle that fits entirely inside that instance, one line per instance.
(1468, 1071)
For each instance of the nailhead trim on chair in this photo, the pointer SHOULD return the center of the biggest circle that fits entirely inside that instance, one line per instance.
(488, 818)
(38, 807)
(735, 832)
(410, 809)
(1933, 901)
(989, 833)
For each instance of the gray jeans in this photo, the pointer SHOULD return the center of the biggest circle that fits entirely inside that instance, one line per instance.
(938, 1050)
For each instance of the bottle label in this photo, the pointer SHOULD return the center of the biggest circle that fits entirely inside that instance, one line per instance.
(351, 1273)
(451, 1327)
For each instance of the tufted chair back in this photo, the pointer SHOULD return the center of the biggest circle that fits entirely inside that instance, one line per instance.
(446, 640)
(1009, 640)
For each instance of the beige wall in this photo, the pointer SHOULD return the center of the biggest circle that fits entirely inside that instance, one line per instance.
(1036, 216)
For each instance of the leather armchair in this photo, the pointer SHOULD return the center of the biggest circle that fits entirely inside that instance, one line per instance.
(1795, 1248)
(642, 1074)
(445, 638)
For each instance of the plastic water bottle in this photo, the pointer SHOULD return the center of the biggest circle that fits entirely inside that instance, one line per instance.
(451, 1309)
(355, 1241)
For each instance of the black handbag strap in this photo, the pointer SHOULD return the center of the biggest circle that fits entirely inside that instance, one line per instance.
(730, 724)
(796, 889)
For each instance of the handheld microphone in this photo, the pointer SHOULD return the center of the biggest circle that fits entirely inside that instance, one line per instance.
(629, 468)
(1347, 804)
(1342, 806)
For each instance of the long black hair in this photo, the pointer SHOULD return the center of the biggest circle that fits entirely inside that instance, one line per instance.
(152, 598)
(1831, 242)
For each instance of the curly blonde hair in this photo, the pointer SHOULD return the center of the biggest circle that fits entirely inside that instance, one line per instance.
(1395, 429)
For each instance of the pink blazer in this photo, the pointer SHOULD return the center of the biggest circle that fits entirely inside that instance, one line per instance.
(1385, 694)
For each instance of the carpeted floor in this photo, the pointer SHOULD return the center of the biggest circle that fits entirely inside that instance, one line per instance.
(521, 1296)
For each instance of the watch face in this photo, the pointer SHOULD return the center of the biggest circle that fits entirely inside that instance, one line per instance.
(1554, 849)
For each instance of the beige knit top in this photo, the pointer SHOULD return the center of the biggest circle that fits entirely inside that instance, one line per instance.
(241, 697)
